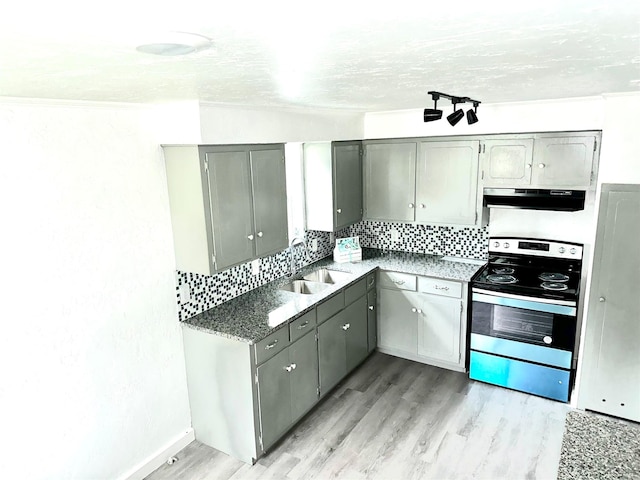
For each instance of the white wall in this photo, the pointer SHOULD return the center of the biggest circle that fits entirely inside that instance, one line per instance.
(93, 371)
(222, 124)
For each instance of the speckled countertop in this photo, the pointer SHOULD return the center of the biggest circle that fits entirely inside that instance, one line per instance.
(256, 314)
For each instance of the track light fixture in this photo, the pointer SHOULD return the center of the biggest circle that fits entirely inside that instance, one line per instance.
(432, 114)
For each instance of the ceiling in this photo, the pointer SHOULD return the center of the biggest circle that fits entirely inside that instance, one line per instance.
(354, 55)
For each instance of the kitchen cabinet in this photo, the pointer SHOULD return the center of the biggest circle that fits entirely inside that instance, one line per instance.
(447, 182)
(343, 338)
(227, 202)
(333, 184)
(389, 180)
(431, 182)
(422, 319)
(372, 313)
(610, 367)
(287, 387)
(549, 160)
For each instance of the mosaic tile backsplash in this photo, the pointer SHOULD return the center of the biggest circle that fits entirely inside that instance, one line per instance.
(209, 291)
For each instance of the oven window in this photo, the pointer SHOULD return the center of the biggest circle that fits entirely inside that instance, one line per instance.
(518, 324)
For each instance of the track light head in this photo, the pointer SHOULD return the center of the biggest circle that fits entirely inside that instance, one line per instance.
(432, 114)
(471, 114)
(456, 116)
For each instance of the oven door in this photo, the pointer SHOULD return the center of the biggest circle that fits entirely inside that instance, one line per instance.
(537, 321)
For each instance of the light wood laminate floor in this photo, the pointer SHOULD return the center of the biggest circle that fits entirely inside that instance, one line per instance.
(397, 419)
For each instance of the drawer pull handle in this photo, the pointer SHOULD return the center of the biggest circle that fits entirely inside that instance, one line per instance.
(303, 325)
(398, 282)
(446, 289)
(346, 326)
(371, 307)
(271, 345)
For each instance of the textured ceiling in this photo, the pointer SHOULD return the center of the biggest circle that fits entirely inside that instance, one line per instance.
(364, 56)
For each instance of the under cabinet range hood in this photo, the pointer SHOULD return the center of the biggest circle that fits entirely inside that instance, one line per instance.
(535, 199)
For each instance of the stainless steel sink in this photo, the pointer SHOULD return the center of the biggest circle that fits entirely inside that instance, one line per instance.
(325, 275)
(304, 287)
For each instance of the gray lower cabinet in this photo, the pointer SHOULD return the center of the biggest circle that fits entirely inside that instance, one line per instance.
(244, 397)
(610, 370)
(287, 387)
(372, 327)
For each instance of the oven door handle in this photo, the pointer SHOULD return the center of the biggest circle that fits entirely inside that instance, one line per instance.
(561, 307)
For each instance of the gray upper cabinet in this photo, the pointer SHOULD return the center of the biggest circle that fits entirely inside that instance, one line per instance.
(333, 184)
(563, 161)
(434, 182)
(389, 180)
(507, 161)
(545, 160)
(228, 204)
(447, 182)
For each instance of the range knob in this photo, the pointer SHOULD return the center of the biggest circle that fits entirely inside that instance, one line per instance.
(506, 244)
(496, 244)
(561, 249)
(573, 251)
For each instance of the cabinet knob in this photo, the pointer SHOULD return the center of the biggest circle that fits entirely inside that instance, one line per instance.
(371, 307)
(528, 165)
(346, 326)
(250, 237)
(541, 165)
(411, 205)
(289, 368)
(547, 339)
(293, 366)
(414, 310)
(419, 311)
(422, 205)
(339, 210)
(260, 234)
(601, 299)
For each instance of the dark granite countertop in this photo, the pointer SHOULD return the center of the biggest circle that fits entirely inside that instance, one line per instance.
(256, 314)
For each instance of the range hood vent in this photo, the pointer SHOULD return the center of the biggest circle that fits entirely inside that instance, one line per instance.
(535, 199)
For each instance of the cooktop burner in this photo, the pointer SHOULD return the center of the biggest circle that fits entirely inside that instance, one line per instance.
(503, 270)
(556, 286)
(553, 277)
(502, 279)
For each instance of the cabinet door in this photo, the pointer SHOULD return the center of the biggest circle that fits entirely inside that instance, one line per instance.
(269, 200)
(610, 376)
(372, 323)
(563, 161)
(347, 184)
(274, 397)
(357, 339)
(397, 320)
(229, 189)
(304, 378)
(507, 162)
(447, 182)
(332, 351)
(389, 181)
(439, 328)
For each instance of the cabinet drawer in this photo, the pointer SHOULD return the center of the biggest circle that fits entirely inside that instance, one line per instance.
(355, 291)
(371, 280)
(302, 325)
(330, 307)
(437, 286)
(399, 281)
(269, 346)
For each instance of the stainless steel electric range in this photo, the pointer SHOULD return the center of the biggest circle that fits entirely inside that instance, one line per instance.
(524, 316)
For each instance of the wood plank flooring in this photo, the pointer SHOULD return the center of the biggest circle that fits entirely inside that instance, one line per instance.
(397, 419)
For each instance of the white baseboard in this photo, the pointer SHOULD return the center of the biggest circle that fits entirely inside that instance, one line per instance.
(148, 466)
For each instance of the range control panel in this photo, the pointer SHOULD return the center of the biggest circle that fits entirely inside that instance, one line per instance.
(535, 247)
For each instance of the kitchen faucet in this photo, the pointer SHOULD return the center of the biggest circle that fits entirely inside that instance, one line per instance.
(292, 253)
